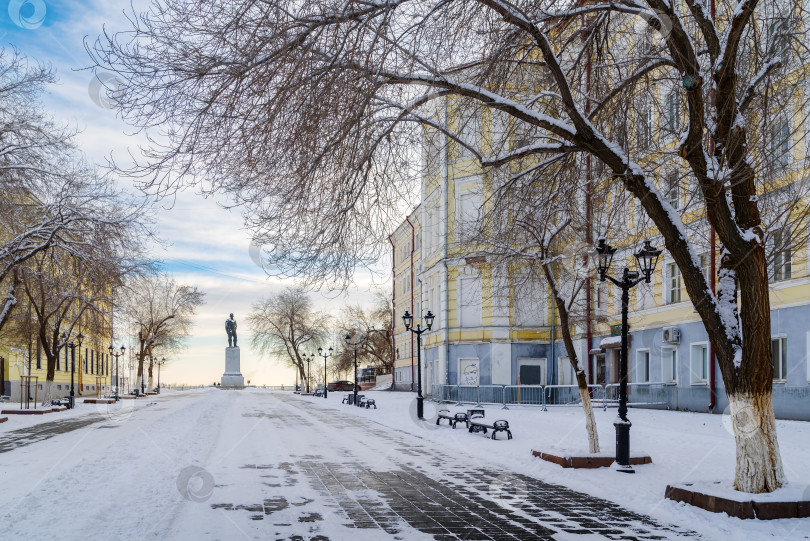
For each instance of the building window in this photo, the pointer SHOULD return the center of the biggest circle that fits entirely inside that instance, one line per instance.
(699, 363)
(673, 111)
(704, 265)
(673, 189)
(669, 365)
(779, 358)
(673, 283)
(780, 141)
(469, 300)
(642, 366)
(782, 256)
(644, 130)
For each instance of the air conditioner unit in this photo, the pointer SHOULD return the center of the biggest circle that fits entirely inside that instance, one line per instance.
(672, 335)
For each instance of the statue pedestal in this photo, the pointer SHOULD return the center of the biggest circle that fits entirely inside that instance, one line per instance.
(233, 376)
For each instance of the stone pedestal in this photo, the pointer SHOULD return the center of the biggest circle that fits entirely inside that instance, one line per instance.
(233, 375)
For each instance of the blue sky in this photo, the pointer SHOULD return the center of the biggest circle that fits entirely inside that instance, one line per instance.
(206, 245)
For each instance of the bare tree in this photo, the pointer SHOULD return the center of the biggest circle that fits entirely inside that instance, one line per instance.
(301, 112)
(161, 313)
(374, 323)
(286, 327)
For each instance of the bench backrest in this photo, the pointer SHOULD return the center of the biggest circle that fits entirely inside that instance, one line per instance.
(501, 424)
(472, 414)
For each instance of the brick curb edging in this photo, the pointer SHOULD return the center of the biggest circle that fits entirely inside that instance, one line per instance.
(588, 461)
(739, 509)
(3, 419)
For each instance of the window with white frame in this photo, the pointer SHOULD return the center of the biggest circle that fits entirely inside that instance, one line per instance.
(703, 259)
(469, 301)
(672, 187)
(699, 363)
(669, 365)
(673, 111)
(642, 374)
(468, 213)
(782, 265)
(565, 372)
(529, 301)
(780, 141)
(779, 39)
(779, 357)
(644, 130)
(672, 280)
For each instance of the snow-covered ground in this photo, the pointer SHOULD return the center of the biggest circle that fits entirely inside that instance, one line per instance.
(196, 464)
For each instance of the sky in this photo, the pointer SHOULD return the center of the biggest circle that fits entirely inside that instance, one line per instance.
(205, 244)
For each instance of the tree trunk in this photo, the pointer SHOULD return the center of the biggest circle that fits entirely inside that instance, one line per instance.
(759, 463)
(582, 383)
(47, 396)
(587, 407)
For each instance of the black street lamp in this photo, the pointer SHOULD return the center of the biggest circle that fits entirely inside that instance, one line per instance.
(309, 373)
(355, 344)
(407, 318)
(325, 356)
(160, 363)
(114, 353)
(72, 346)
(647, 258)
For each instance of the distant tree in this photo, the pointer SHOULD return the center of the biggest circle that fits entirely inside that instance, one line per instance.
(374, 323)
(286, 327)
(161, 314)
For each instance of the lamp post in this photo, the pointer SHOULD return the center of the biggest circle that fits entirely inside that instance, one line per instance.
(407, 318)
(355, 343)
(325, 356)
(309, 373)
(114, 353)
(143, 374)
(72, 346)
(160, 363)
(647, 258)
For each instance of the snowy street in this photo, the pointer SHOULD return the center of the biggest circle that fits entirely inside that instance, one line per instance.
(256, 464)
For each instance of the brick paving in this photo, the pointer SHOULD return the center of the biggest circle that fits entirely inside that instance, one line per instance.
(437, 494)
(22, 437)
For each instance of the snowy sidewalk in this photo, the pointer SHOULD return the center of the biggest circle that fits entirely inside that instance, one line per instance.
(257, 464)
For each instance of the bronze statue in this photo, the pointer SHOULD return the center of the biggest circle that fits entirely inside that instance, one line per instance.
(230, 328)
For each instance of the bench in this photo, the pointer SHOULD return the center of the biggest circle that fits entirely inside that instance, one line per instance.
(497, 426)
(317, 392)
(5, 398)
(345, 399)
(452, 418)
(61, 402)
(362, 401)
(369, 402)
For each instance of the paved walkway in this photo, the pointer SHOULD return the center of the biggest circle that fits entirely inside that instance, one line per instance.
(260, 465)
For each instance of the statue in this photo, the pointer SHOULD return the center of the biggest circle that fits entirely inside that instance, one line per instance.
(230, 328)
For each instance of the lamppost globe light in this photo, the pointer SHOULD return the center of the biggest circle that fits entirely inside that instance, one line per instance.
(603, 257)
(429, 317)
(407, 318)
(79, 338)
(647, 259)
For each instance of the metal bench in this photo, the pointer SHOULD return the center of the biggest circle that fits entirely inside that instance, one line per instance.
(317, 392)
(362, 401)
(452, 418)
(497, 426)
(369, 402)
(61, 402)
(346, 399)
(5, 398)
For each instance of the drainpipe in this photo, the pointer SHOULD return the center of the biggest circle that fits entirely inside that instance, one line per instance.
(393, 311)
(588, 232)
(712, 275)
(444, 257)
(553, 362)
(413, 234)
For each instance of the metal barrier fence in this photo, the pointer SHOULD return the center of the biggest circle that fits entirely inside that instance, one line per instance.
(638, 394)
